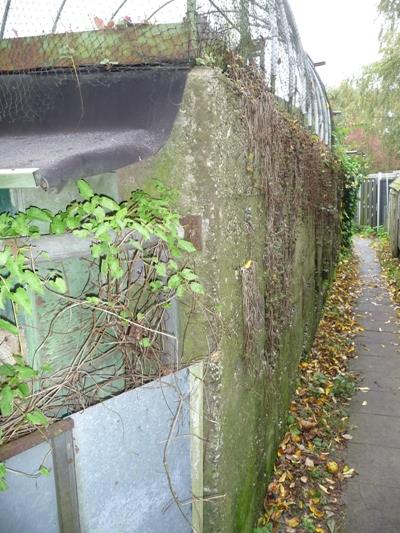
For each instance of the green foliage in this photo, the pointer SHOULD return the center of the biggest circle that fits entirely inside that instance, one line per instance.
(13, 385)
(379, 232)
(308, 524)
(353, 169)
(3, 472)
(370, 104)
(266, 529)
(145, 224)
(343, 386)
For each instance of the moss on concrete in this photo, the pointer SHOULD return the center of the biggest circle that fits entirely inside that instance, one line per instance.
(245, 406)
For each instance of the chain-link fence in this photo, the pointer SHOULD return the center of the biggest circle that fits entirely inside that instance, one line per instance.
(65, 39)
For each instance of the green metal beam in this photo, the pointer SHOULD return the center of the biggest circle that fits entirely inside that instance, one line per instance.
(137, 44)
(19, 178)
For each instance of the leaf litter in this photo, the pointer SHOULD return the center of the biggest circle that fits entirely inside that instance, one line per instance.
(304, 494)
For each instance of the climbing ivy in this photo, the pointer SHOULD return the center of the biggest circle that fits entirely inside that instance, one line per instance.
(353, 168)
(110, 227)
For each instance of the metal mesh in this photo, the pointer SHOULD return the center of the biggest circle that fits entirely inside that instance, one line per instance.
(65, 39)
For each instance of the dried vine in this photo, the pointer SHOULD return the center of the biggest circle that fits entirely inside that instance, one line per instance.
(299, 179)
(118, 319)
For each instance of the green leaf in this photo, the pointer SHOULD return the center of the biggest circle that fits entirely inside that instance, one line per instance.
(197, 288)
(93, 300)
(85, 190)
(8, 326)
(174, 281)
(180, 291)
(35, 213)
(4, 255)
(121, 213)
(188, 274)
(6, 401)
(58, 226)
(140, 228)
(37, 418)
(109, 203)
(57, 284)
(145, 342)
(161, 269)
(21, 298)
(44, 471)
(82, 233)
(73, 222)
(186, 246)
(115, 268)
(3, 470)
(33, 280)
(24, 390)
(3, 485)
(155, 285)
(25, 372)
(7, 370)
(99, 213)
(99, 249)
(88, 208)
(172, 264)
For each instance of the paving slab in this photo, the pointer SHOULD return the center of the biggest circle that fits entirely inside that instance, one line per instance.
(372, 498)
(386, 429)
(377, 465)
(377, 343)
(376, 402)
(372, 509)
(383, 367)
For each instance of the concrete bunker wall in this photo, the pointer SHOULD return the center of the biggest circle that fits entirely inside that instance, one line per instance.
(245, 404)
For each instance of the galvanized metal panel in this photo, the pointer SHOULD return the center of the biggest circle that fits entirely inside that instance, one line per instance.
(123, 450)
(30, 504)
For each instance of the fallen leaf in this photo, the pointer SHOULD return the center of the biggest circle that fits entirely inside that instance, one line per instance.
(292, 522)
(316, 512)
(324, 489)
(348, 472)
(308, 424)
(332, 467)
(309, 462)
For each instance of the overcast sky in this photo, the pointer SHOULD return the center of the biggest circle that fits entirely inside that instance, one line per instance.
(344, 33)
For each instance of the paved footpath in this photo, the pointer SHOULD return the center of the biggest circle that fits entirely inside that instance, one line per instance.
(373, 496)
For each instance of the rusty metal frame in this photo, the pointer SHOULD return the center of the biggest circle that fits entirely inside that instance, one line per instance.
(23, 444)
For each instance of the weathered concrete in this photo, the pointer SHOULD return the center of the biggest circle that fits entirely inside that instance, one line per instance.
(245, 406)
(373, 496)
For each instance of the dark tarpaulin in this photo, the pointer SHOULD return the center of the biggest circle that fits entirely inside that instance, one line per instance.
(109, 120)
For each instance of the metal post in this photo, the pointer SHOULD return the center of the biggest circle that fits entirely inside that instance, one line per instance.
(274, 50)
(191, 14)
(5, 17)
(378, 214)
(57, 19)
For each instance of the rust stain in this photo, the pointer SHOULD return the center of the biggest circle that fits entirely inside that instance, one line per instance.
(193, 227)
(15, 447)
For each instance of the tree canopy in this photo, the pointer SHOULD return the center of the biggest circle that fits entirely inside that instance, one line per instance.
(370, 104)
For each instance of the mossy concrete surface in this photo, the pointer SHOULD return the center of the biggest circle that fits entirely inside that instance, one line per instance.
(245, 403)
